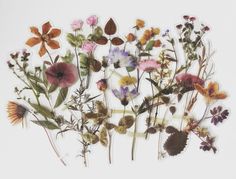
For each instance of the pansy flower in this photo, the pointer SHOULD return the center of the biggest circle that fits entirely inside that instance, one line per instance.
(62, 74)
(124, 95)
(46, 37)
(210, 93)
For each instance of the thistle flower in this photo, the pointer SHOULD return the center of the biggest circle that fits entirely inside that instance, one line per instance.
(187, 81)
(127, 80)
(16, 112)
(148, 65)
(62, 74)
(124, 95)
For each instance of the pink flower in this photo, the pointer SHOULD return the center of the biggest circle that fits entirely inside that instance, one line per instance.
(77, 25)
(148, 65)
(62, 74)
(88, 46)
(92, 20)
(102, 84)
(188, 80)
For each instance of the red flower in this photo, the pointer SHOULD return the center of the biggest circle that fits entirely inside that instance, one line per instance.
(62, 74)
(188, 80)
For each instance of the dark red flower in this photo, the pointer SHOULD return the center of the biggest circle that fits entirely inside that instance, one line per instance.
(187, 81)
(62, 74)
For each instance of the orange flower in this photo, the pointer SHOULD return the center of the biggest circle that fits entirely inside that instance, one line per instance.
(139, 23)
(44, 37)
(211, 92)
(15, 112)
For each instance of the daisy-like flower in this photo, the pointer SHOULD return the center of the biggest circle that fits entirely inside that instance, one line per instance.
(46, 37)
(127, 80)
(124, 95)
(148, 65)
(121, 58)
(210, 93)
(16, 112)
(62, 74)
(188, 80)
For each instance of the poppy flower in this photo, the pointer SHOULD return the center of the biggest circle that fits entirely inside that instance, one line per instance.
(187, 81)
(124, 95)
(16, 112)
(46, 36)
(148, 65)
(211, 92)
(62, 74)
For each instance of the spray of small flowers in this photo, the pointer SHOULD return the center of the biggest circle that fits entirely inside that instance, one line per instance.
(158, 81)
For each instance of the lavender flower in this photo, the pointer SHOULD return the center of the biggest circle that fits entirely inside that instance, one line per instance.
(124, 95)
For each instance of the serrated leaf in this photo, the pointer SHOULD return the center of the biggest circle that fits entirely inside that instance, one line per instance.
(117, 41)
(61, 97)
(46, 124)
(110, 27)
(43, 110)
(150, 45)
(176, 143)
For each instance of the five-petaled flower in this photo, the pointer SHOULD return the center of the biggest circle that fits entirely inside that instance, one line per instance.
(46, 36)
(62, 74)
(211, 93)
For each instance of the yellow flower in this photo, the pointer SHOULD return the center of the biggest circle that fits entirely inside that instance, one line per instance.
(143, 41)
(140, 23)
(155, 31)
(211, 93)
(127, 80)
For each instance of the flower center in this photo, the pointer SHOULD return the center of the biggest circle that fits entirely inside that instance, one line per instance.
(60, 74)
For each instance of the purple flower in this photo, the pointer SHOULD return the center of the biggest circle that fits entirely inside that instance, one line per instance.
(187, 81)
(62, 74)
(124, 95)
(77, 25)
(88, 46)
(121, 58)
(92, 20)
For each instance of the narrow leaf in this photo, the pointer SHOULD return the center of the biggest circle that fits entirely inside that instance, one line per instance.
(61, 97)
(46, 124)
(44, 111)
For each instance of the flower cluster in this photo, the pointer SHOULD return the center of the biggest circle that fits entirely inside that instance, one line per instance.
(154, 85)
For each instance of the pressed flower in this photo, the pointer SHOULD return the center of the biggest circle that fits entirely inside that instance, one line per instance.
(130, 37)
(124, 95)
(127, 80)
(143, 41)
(16, 112)
(62, 74)
(155, 31)
(92, 20)
(77, 25)
(157, 43)
(46, 36)
(188, 80)
(140, 23)
(148, 65)
(88, 46)
(102, 84)
(211, 92)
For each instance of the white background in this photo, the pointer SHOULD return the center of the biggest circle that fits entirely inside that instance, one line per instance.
(25, 153)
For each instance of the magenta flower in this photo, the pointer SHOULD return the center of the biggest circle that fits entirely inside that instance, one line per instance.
(148, 65)
(188, 80)
(92, 20)
(62, 74)
(88, 46)
(77, 25)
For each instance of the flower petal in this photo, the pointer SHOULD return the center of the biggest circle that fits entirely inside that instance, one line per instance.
(35, 31)
(53, 44)
(116, 93)
(221, 95)
(213, 88)
(200, 89)
(46, 27)
(33, 41)
(42, 50)
(54, 33)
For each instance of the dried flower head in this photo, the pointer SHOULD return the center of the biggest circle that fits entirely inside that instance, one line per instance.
(16, 112)
(127, 80)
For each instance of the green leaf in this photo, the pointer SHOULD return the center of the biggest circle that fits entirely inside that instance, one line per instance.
(44, 111)
(144, 54)
(61, 97)
(149, 45)
(35, 78)
(71, 39)
(37, 87)
(44, 75)
(84, 64)
(52, 88)
(46, 124)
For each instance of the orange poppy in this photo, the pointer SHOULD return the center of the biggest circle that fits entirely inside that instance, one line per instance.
(211, 92)
(46, 36)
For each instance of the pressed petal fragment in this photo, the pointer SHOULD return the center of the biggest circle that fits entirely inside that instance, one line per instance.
(53, 44)
(46, 27)
(33, 41)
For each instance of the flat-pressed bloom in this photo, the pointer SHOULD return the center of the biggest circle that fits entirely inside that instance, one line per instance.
(88, 46)
(62, 74)
(127, 80)
(46, 37)
(16, 112)
(148, 65)
(188, 80)
(77, 25)
(92, 20)
(140, 23)
(125, 95)
(121, 58)
(211, 93)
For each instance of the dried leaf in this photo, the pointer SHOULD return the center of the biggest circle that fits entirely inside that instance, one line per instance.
(151, 130)
(121, 129)
(126, 121)
(172, 109)
(44, 111)
(95, 65)
(102, 40)
(46, 124)
(90, 138)
(110, 27)
(171, 129)
(103, 137)
(109, 126)
(117, 41)
(61, 97)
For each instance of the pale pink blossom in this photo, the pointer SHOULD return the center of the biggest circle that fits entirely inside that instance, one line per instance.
(148, 65)
(92, 20)
(77, 24)
(88, 46)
